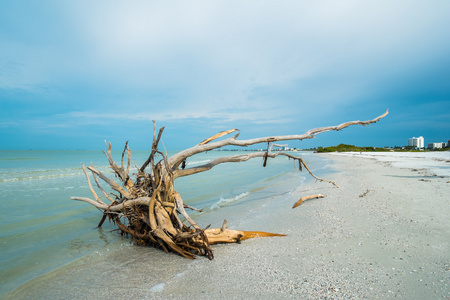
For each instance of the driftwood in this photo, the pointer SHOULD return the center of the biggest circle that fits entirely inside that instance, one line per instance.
(307, 198)
(365, 193)
(149, 209)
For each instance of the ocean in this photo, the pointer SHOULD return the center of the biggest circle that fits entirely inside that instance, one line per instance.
(42, 230)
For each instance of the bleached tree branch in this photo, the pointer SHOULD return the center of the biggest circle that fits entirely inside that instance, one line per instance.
(175, 160)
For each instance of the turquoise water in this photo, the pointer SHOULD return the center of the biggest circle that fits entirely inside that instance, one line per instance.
(41, 229)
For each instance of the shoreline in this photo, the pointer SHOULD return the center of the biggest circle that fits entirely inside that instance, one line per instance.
(383, 233)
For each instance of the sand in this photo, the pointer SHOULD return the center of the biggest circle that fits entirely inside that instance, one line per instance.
(383, 234)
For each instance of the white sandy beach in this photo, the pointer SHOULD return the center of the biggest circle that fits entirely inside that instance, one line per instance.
(383, 234)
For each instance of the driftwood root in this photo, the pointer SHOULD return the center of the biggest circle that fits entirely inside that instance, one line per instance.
(146, 206)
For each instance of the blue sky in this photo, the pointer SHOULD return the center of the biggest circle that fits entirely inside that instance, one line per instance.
(74, 73)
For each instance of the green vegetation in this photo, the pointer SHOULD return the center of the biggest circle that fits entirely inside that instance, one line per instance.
(350, 148)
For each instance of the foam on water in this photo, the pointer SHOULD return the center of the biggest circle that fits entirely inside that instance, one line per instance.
(226, 201)
(199, 162)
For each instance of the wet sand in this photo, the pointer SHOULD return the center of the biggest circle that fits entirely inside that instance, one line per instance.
(384, 233)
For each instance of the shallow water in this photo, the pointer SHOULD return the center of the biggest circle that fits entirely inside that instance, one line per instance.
(42, 229)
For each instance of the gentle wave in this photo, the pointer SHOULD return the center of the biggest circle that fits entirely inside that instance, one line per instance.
(226, 201)
(197, 162)
(38, 177)
(44, 174)
(21, 159)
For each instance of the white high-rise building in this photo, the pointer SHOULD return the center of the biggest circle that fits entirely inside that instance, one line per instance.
(436, 145)
(416, 142)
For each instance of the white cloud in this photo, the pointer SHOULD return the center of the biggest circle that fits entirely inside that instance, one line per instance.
(215, 55)
(250, 44)
(255, 116)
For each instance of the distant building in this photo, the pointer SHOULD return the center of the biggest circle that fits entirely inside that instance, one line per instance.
(436, 145)
(418, 142)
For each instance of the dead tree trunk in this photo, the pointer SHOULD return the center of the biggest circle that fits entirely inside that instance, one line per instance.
(148, 208)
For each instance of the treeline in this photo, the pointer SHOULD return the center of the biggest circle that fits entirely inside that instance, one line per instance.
(349, 148)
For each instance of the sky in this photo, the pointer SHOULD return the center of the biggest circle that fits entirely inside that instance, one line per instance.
(76, 73)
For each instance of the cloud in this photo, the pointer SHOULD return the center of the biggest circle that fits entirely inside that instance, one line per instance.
(221, 52)
(204, 48)
(253, 62)
(254, 116)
